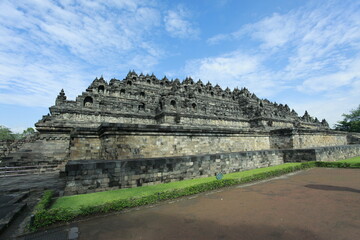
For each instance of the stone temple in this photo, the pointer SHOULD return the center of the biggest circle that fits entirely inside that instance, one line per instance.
(143, 130)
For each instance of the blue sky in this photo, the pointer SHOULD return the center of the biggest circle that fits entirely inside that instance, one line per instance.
(302, 53)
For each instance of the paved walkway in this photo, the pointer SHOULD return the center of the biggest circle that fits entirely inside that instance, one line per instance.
(314, 204)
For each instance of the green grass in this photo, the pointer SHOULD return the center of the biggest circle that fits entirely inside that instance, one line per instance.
(347, 163)
(76, 201)
(92, 199)
(351, 160)
(237, 175)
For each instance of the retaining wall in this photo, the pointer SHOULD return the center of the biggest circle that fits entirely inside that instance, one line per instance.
(332, 153)
(99, 175)
(124, 141)
(305, 138)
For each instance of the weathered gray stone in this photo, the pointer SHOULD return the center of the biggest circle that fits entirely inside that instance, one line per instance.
(142, 126)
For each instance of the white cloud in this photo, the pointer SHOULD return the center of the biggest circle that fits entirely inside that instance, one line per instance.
(177, 25)
(330, 82)
(46, 45)
(218, 38)
(274, 31)
(235, 69)
(233, 65)
(311, 52)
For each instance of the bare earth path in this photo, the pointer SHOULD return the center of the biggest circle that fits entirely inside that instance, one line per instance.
(315, 204)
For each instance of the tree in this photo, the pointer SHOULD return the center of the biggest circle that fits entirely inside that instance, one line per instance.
(28, 132)
(6, 134)
(351, 122)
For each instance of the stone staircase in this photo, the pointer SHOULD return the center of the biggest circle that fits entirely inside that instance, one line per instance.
(27, 170)
(13, 146)
(35, 154)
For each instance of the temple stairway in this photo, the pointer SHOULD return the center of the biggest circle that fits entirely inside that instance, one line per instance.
(41, 154)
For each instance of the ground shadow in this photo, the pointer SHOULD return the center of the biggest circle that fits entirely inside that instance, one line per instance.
(332, 188)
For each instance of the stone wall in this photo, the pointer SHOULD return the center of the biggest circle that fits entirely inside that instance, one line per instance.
(332, 153)
(99, 175)
(113, 141)
(145, 146)
(198, 121)
(84, 144)
(91, 176)
(89, 119)
(125, 141)
(307, 139)
(353, 138)
(296, 138)
(121, 141)
(5, 146)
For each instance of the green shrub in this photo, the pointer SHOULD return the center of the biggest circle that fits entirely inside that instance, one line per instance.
(45, 201)
(45, 217)
(338, 164)
(310, 164)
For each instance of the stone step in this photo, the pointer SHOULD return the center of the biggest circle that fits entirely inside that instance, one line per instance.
(27, 170)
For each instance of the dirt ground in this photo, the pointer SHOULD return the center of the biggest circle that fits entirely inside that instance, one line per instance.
(314, 204)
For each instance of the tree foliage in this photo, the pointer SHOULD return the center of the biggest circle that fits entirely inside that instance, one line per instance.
(7, 134)
(351, 122)
(28, 132)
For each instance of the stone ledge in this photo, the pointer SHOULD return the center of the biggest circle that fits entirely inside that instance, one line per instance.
(120, 129)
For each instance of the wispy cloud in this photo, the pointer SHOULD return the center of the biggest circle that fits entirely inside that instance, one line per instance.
(48, 45)
(236, 69)
(178, 23)
(333, 81)
(311, 50)
(219, 38)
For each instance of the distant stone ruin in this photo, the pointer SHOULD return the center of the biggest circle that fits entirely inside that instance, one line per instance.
(142, 130)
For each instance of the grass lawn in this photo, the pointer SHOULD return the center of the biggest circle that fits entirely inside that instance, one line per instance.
(92, 199)
(351, 160)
